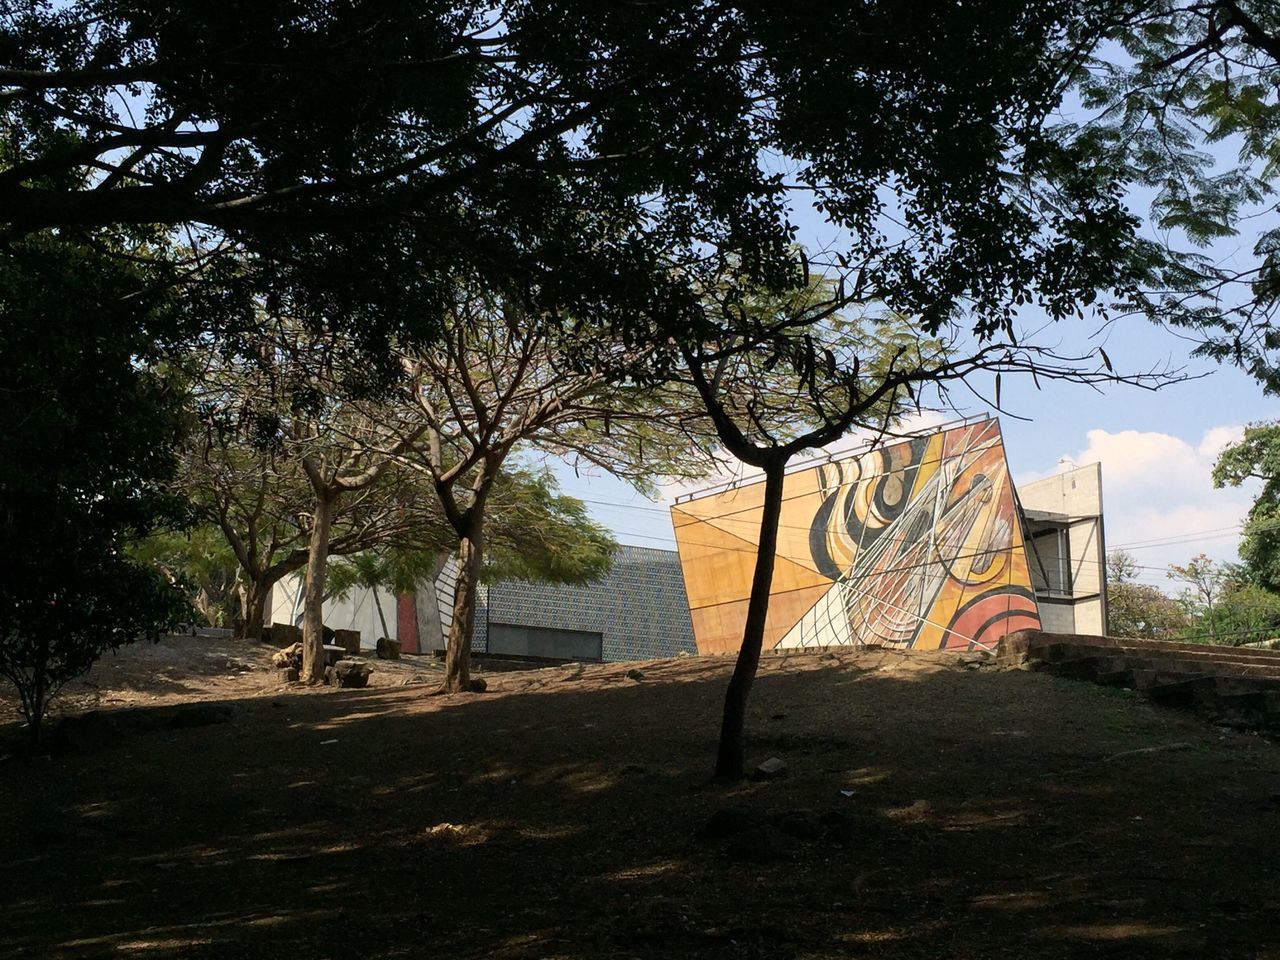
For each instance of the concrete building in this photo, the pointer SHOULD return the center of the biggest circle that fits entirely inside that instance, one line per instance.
(1062, 523)
(921, 543)
(637, 611)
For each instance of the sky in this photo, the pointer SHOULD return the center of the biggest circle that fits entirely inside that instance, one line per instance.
(1157, 452)
(1157, 449)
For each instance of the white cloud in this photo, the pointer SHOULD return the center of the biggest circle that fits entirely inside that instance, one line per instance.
(1158, 487)
(1218, 437)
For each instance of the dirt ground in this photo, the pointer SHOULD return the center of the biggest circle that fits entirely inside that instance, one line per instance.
(952, 811)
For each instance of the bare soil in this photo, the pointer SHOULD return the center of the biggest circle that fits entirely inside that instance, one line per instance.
(977, 814)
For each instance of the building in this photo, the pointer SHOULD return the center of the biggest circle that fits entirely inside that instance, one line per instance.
(921, 543)
(918, 543)
(637, 611)
(1062, 522)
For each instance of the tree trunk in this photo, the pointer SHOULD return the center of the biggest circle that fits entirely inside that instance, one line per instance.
(377, 605)
(313, 592)
(33, 705)
(253, 607)
(457, 659)
(33, 692)
(729, 758)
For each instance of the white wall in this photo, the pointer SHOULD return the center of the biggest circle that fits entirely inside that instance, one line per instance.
(1077, 494)
(357, 612)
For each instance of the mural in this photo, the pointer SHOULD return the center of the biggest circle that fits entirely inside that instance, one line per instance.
(912, 544)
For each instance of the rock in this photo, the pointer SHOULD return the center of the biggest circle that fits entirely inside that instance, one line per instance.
(682, 654)
(760, 844)
(352, 674)
(634, 674)
(803, 824)
(285, 634)
(329, 675)
(572, 671)
(388, 649)
(728, 822)
(290, 656)
(771, 769)
(349, 640)
(333, 653)
(479, 685)
(287, 674)
(974, 659)
(327, 634)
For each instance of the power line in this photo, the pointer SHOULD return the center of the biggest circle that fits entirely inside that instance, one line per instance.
(1151, 543)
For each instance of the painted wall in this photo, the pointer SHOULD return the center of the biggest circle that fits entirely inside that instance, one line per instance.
(911, 544)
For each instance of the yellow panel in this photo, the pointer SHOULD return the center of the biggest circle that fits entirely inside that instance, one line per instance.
(719, 567)
(737, 512)
(718, 628)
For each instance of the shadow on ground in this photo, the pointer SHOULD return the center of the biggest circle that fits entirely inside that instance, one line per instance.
(988, 815)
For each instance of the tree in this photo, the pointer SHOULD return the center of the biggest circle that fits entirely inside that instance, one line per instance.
(792, 372)
(1191, 114)
(361, 153)
(1247, 613)
(260, 501)
(1256, 457)
(86, 446)
(292, 468)
(336, 473)
(499, 382)
(1205, 582)
(199, 562)
(534, 533)
(1138, 609)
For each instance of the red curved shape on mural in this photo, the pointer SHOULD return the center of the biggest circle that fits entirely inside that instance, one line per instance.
(989, 618)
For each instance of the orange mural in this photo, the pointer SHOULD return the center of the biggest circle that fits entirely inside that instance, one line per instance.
(912, 544)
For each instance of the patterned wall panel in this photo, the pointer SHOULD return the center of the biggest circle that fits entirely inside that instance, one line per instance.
(912, 544)
(639, 607)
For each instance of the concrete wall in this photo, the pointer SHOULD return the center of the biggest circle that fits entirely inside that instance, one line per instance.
(639, 608)
(1076, 496)
(637, 611)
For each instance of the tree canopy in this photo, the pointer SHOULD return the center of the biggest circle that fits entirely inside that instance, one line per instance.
(1186, 104)
(359, 152)
(86, 447)
(1256, 457)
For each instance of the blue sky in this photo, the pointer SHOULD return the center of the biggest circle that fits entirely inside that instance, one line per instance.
(1156, 448)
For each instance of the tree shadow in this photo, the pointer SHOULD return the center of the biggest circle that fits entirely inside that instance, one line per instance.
(983, 818)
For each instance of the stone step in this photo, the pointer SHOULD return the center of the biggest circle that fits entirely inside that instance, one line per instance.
(1056, 652)
(1229, 686)
(1140, 673)
(1036, 638)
